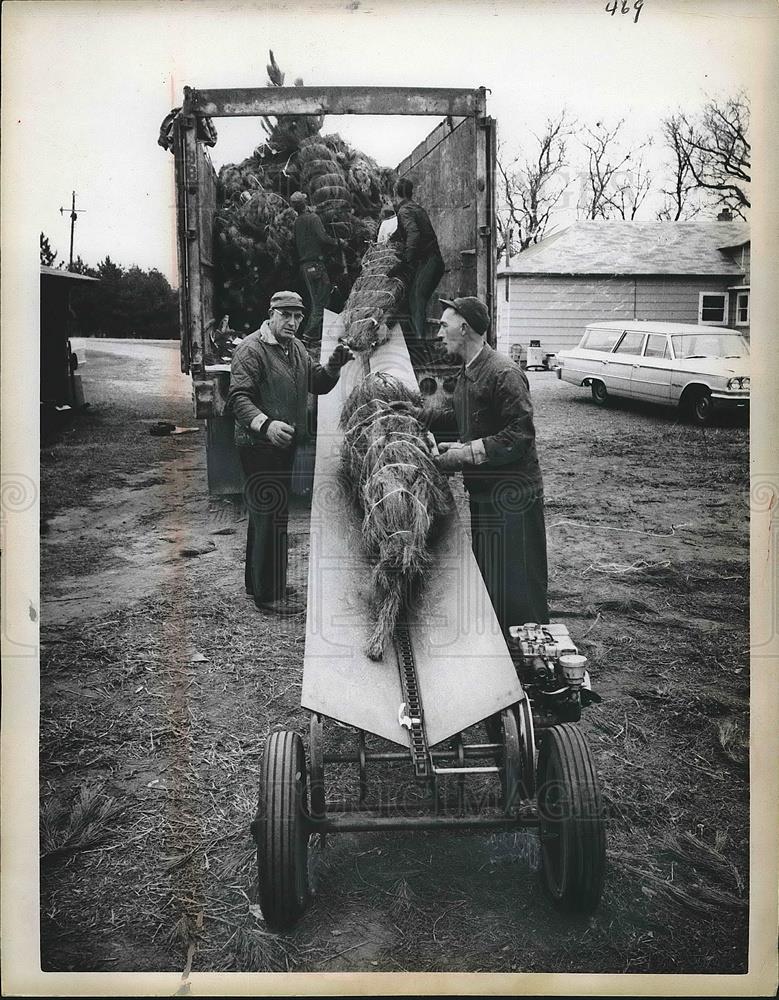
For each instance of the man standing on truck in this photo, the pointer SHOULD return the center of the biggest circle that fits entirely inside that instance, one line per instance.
(271, 376)
(497, 456)
(311, 243)
(422, 265)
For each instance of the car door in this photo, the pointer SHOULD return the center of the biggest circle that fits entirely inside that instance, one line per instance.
(619, 370)
(651, 378)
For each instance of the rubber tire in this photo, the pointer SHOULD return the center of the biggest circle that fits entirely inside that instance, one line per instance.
(599, 392)
(701, 409)
(571, 822)
(281, 831)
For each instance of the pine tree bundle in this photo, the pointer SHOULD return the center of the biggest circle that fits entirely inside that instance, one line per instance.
(373, 297)
(364, 231)
(258, 210)
(281, 236)
(254, 243)
(322, 177)
(387, 461)
(287, 131)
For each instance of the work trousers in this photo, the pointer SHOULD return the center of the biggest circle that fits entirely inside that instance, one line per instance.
(508, 537)
(267, 477)
(317, 281)
(423, 284)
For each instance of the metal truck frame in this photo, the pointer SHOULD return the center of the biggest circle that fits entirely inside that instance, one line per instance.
(453, 171)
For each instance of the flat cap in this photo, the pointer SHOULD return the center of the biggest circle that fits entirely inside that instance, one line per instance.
(297, 197)
(472, 310)
(286, 300)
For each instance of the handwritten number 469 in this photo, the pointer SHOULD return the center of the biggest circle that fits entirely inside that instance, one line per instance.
(625, 8)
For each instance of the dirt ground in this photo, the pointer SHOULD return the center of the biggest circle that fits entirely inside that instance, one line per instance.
(160, 683)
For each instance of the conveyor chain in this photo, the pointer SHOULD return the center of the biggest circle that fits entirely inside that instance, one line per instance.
(414, 720)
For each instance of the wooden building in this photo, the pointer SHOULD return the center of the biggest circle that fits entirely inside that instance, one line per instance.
(60, 386)
(684, 272)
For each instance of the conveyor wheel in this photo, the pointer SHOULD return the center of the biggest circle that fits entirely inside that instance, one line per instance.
(571, 823)
(511, 774)
(281, 831)
(527, 742)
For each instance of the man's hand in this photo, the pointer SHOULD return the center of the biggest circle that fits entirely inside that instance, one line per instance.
(453, 456)
(340, 356)
(280, 434)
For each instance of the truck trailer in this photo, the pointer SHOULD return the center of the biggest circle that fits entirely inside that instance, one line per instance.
(453, 172)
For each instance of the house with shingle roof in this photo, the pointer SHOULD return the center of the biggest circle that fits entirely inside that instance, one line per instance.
(681, 272)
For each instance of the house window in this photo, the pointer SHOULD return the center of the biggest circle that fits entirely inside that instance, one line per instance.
(508, 282)
(713, 308)
(742, 308)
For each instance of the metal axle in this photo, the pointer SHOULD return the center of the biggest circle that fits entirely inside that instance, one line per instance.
(369, 823)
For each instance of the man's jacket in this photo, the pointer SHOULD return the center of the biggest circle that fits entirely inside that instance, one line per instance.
(311, 238)
(492, 409)
(415, 234)
(263, 381)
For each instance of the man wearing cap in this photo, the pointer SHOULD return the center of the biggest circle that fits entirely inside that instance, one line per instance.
(311, 243)
(497, 456)
(271, 376)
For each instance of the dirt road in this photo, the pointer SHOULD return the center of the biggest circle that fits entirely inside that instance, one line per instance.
(160, 682)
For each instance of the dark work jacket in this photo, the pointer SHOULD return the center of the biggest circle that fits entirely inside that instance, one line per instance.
(311, 238)
(492, 405)
(415, 234)
(263, 381)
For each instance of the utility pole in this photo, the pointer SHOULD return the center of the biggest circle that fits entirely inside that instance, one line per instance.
(73, 213)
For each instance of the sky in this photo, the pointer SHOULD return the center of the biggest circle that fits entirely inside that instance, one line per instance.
(86, 85)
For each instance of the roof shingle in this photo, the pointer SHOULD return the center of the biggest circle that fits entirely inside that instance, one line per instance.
(617, 247)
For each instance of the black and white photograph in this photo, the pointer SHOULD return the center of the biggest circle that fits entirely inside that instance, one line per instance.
(389, 502)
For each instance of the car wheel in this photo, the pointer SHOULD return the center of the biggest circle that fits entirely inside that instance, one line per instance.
(701, 409)
(599, 393)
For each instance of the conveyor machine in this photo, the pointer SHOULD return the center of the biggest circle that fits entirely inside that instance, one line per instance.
(451, 703)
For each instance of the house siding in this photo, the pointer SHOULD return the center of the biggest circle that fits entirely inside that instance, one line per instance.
(555, 309)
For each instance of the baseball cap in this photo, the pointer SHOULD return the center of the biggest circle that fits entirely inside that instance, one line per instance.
(286, 300)
(472, 310)
(297, 197)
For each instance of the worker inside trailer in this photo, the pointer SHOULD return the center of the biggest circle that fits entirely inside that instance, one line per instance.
(421, 266)
(496, 453)
(312, 245)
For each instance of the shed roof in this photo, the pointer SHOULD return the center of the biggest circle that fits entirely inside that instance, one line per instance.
(56, 272)
(617, 247)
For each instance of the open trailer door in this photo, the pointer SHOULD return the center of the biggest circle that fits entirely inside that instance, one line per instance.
(196, 203)
(195, 206)
(453, 172)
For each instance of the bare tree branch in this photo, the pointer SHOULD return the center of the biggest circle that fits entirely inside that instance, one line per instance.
(531, 190)
(716, 150)
(615, 187)
(679, 204)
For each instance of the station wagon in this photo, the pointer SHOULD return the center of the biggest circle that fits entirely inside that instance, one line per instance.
(700, 369)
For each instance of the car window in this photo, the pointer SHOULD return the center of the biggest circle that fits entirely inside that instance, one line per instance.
(630, 343)
(708, 345)
(657, 346)
(600, 340)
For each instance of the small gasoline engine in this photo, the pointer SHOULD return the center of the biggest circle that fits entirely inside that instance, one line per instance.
(553, 672)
